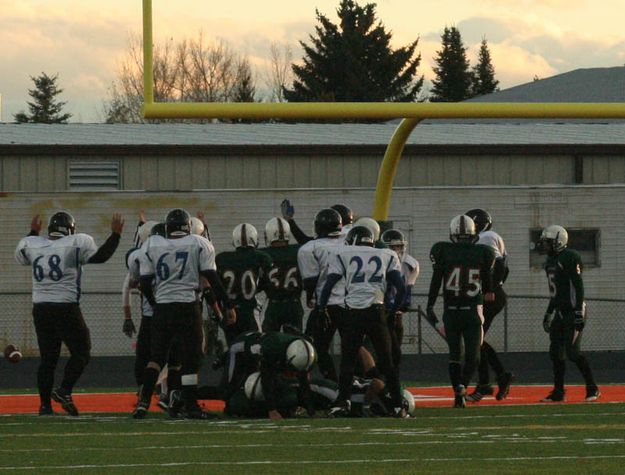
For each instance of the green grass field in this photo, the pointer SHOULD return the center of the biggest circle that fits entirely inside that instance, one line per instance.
(571, 439)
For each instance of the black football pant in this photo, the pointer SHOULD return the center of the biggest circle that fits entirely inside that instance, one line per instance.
(57, 323)
(322, 336)
(142, 352)
(354, 325)
(463, 328)
(488, 355)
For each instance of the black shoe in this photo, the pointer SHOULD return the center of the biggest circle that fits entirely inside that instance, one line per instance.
(46, 410)
(504, 382)
(592, 393)
(481, 390)
(176, 404)
(194, 411)
(163, 402)
(400, 413)
(557, 395)
(460, 394)
(340, 409)
(65, 400)
(141, 410)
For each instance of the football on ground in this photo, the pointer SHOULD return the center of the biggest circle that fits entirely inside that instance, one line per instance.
(12, 353)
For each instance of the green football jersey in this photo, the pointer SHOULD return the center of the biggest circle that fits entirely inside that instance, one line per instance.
(285, 281)
(270, 347)
(566, 287)
(461, 265)
(244, 273)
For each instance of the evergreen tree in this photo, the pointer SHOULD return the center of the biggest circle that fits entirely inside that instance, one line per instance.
(244, 88)
(45, 109)
(483, 79)
(354, 62)
(453, 77)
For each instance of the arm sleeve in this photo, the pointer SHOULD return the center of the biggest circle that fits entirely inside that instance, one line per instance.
(20, 253)
(297, 233)
(126, 291)
(486, 271)
(500, 271)
(435, 285)
(574, 269)
(135, 238)
(217, 287)
(395, 279)
(145, 285)
(552, 306)
(331, 281)
(106, 250)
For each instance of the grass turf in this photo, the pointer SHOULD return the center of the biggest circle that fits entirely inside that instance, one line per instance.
(572, 439)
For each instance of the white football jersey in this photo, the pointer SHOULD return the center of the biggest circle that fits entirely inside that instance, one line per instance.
(134, 270)
(494, 240)
(176, 265)
(312, 260)
(409, 269)
(364, 270)
(345, 231)
(56, 264)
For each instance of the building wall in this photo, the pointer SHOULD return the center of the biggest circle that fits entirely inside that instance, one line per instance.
(422, 212)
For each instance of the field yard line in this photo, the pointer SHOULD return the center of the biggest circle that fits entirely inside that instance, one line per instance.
(311, 462)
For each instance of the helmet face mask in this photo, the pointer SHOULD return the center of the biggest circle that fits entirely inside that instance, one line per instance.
(395, 241)
(61, 224)
(462, 229)
(553, 240)
(359, 236)
(328, 223)
(245, 235)
(482, 219)
(178, 223)
(277, 230)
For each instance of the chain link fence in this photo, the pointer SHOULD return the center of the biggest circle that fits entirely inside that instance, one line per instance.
(517, 328)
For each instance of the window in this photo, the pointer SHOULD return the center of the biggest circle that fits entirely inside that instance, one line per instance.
(584, 241)
(85, 176)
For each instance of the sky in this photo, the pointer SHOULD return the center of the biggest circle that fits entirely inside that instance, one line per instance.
(84, 41)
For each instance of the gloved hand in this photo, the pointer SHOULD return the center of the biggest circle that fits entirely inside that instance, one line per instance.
(129, 327)
(580, 321)
(288, 210)
(547, 320)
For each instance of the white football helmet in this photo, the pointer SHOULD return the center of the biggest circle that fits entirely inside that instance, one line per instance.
(197, 226)
(408, 402)
(300, 355)
(253, 387)
(370, 223)
(145, 230)
(245, 235)
(555, 238)
(462, 229)
(277, 229)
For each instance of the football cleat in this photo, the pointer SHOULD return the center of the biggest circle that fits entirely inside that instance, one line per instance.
(175, 404)
(557, 395)
(504, 382)
(141, 410)
(340, 409)
(163, 402)
(400, 413)
(46, 410)
(460, 394)
(192, 410)
(592, 393)
(65, 400)
(481, 390)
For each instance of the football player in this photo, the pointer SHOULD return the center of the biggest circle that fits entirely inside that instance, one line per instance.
(312, 260)
(488, 355)
(465, 270)
(565, 317)
(366, 272)
(244, 272)
(56, 262)
(395, 241)
(288, 211)
(284, 289)
(170, 278)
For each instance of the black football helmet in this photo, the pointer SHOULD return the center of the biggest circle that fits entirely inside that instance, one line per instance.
(347, 217)
(158, 230)
(359, 236)
(61, 224)
(178, 223)
(481, 218)
(394, 239)
(328, 223)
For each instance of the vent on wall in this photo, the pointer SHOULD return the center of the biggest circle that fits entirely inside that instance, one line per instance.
(93, 175)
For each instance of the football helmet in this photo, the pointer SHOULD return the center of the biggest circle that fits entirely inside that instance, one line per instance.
(462, 229)
(244, 235)
(277, 229)
(395, 240)
(61, 224)
(300, 355)
(370, 223)
(178, 223)
(328, 223)
(197, 226)
(408, 402)
(347, 217)
(158, 230)
(482, 219)
(145, 230)
(253, 387)
(554, 238)
(359, 236)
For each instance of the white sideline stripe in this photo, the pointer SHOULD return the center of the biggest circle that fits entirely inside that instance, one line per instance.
(312, 462)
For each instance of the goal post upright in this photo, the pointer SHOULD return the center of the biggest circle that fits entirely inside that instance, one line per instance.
(412, 114)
